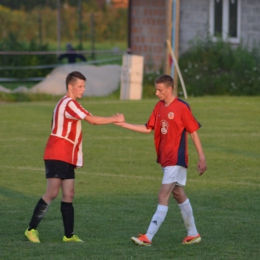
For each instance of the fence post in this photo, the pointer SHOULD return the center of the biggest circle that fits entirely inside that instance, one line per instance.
(58, 24)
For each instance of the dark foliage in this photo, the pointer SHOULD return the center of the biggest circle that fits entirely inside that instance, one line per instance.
(218, 68)
(11, 43)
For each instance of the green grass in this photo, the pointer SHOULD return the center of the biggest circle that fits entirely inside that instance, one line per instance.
(116, 190)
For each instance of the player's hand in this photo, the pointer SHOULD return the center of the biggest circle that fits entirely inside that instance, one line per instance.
(201, 167)
(119, 118)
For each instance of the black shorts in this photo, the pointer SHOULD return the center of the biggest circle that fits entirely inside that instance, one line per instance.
(59, 169)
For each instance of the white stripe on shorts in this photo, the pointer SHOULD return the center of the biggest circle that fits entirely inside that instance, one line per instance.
(177, 174)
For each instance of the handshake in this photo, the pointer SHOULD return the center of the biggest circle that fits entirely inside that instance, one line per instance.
(119, 119)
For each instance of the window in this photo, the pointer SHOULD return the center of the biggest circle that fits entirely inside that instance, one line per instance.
(218, 11)
(224, 20)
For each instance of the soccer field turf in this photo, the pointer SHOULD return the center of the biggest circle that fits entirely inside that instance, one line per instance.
(116, 190)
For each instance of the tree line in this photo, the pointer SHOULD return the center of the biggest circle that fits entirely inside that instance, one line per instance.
(32, 4)
(35, 22)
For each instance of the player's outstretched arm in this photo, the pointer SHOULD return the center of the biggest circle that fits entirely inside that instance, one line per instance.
(136, 128)
(98, 120)
(202, 166)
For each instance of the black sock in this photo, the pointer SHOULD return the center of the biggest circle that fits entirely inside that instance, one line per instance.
(39, 211)
(67, 212)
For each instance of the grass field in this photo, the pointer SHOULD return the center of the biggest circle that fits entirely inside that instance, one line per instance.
(116, 190)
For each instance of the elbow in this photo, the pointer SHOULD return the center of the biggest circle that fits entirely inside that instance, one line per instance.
(148, 131)
(93, 123)
(91, 120)
(193, 134)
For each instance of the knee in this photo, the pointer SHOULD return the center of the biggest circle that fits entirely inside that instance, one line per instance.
(49, 196)
(162, 199)
(68, 196)
(176, 195)
(180, 197)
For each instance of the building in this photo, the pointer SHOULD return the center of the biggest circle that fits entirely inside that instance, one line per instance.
(152, 22)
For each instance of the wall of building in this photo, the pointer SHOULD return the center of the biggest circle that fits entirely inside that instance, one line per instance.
(250, 22)
(149, 27)
(148, 32)
(194, 19)
(194, 22)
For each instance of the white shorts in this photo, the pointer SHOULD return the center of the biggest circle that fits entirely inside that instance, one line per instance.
(174, 174)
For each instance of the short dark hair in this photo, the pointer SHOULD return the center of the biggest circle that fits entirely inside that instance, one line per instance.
(166, 80)
(73, 76)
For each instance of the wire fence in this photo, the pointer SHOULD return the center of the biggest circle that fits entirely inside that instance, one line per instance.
(102, 57)
(113, 51)
(30, 29)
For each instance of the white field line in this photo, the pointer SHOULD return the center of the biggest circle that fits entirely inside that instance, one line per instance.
(136, 137)
(138, 177)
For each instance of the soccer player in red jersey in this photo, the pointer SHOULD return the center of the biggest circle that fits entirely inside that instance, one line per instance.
(63, 153)
(171, 120)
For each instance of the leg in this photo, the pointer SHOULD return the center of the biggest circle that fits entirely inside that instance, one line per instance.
(52, 191)
(158, 217)
(179, 194)
(53, 186)
(165, 193)
(162, 209)
(186, 211)
(66, 207)
(67, 211)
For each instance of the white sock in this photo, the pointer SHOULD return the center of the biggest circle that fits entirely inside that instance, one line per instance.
(187, 215)
(156, 221)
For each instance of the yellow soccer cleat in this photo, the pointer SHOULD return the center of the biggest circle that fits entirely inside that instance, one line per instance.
(74, 238)
(32, 235)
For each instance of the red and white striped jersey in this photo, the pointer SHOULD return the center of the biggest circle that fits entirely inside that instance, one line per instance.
(65, 141)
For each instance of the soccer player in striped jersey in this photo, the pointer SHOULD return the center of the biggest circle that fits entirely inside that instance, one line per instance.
(171, 120)
(63, 153)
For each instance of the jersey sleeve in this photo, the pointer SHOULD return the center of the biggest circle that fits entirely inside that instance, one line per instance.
(75, 111)
(190, 122)
(150, 124)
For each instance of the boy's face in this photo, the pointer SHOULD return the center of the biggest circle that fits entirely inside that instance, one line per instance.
(163, 92)
(76, 89)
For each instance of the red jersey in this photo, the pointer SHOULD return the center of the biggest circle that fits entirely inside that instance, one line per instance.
(65, 141)
(171, 125)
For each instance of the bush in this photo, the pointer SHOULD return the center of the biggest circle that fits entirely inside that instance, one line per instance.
(218, 68)
(11, 43)
(148, 84)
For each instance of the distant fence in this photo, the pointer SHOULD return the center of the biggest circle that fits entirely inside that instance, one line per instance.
(113, 51)
(115, 55)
